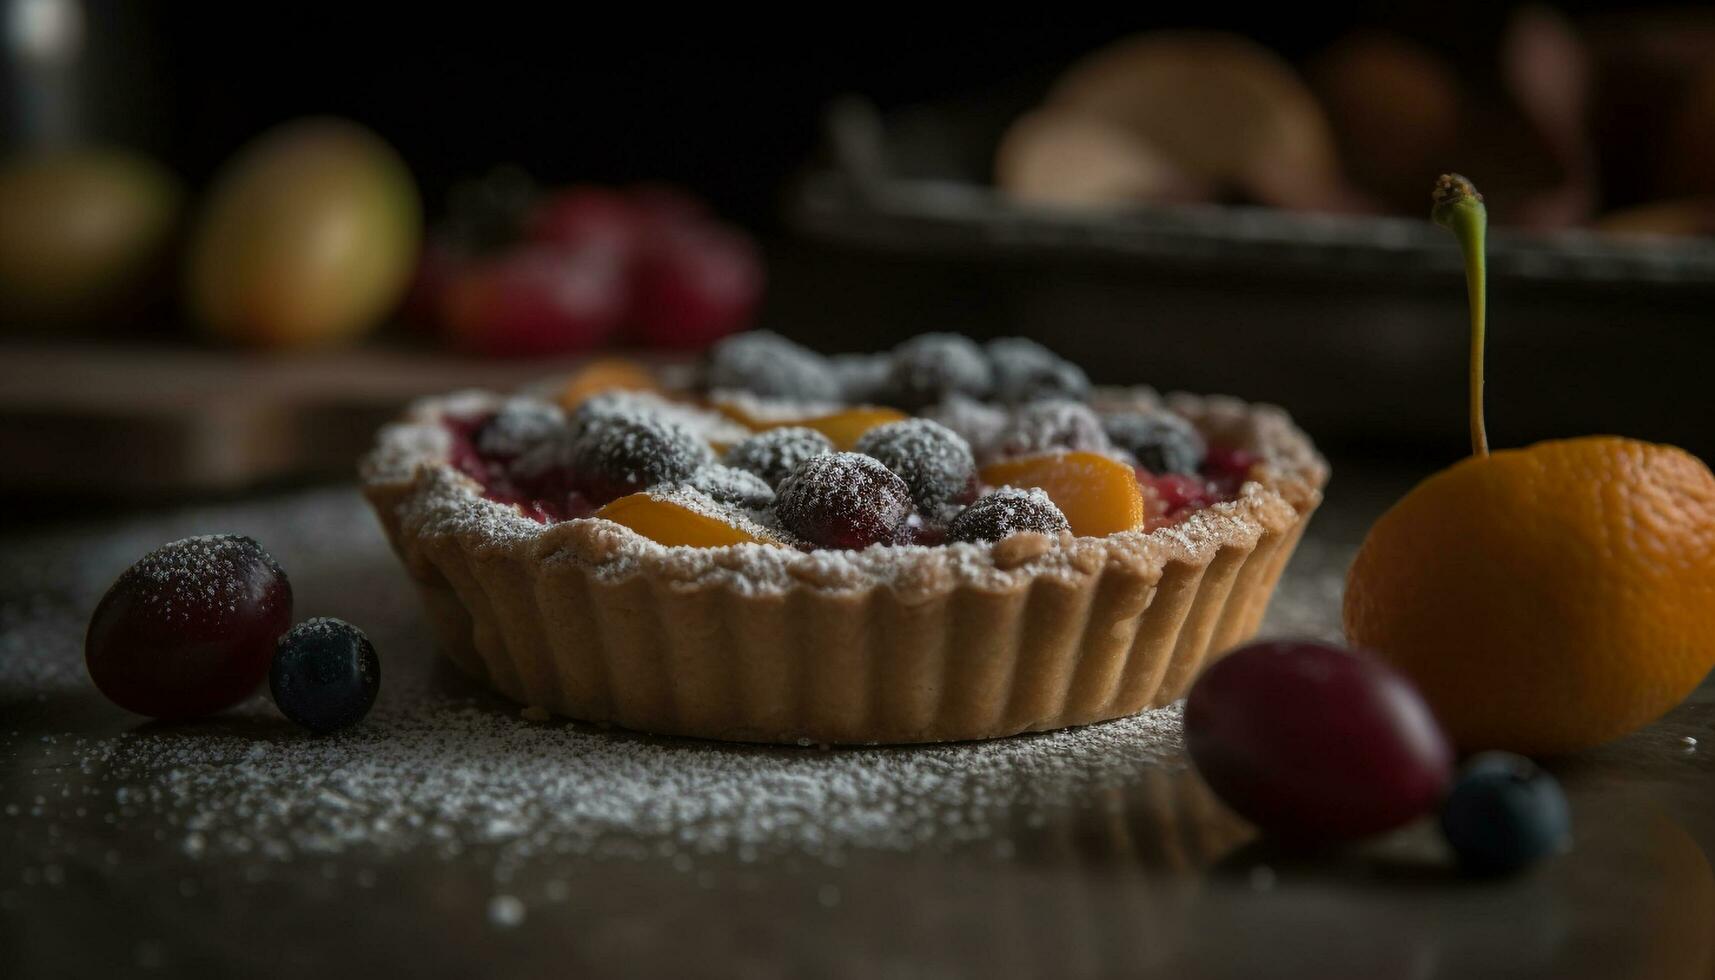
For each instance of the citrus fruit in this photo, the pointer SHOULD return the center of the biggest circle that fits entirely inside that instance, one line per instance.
(1549, 598)
(1543, 599)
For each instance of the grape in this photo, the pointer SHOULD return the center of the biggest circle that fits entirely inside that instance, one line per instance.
(1312, 742)
(190, 628)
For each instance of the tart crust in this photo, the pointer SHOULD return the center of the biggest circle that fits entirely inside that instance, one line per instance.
(892, 644)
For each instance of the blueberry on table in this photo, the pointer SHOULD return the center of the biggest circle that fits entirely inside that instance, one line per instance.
(325, 675)
(189, 629)
(1505, 814)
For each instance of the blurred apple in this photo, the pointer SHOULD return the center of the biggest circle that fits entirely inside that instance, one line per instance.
(533, 300)
(693, 285)
(308, 238)
(84, 233)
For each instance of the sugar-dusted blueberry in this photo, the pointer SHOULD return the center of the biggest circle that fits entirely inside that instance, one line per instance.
(1047, 426)
(189, 629)
(731, 485)
(1504, 814)
(519, 426)
(1315, 743)
(1007, 511)
(1026, 371)
(930, 367)
(977, 422)
(769, 365)
(624, 454)
(933, 460)
(862, 377)
(325, 675)
(773, 453)
(1161, 442)
(843, 500)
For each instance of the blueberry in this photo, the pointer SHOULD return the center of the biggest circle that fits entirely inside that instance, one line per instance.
(1005, 512)
(929, 368)
(1504, 814)
(325, 675)
(622, 454)
(1026, 371)
(1050, 426)
(1160, 441)
(773, 453)
(733, 486)
(769, 365)
(933, 460)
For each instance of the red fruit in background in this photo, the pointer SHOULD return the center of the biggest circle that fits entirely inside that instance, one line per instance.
(694, 285)
(190, 628)
(665, 206)
(587, 218)
(439, 262)
(1315, 743)
(534, 300)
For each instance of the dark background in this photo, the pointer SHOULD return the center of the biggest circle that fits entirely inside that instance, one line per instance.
(727, 104)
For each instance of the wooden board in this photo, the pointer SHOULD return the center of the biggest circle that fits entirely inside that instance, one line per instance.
(108, 421)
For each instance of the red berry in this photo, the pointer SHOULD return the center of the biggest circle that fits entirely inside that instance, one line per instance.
(694, 285)
(536, 300)
(1313, 742)
(190, 628)
(589, 219)
(1228, 469)
(1179, 492)
(665, 206)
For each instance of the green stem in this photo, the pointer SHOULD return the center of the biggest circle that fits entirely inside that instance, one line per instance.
(1459, 209)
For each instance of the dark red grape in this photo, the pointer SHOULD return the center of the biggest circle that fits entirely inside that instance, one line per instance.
(843, 500)
(190, 628)
(1313, 743)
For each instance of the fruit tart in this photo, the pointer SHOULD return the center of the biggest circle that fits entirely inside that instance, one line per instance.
(946, 541)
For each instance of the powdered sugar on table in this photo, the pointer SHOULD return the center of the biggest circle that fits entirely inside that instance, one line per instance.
(442, 767)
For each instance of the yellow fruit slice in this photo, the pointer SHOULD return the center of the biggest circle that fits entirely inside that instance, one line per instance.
(843, 428)
(1099, 495)
(674, 524)
(607, 374)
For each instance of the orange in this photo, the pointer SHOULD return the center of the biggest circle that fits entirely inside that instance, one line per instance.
(843, 428)
(1098, 494)
(672, 524)
(605, 374)
(1546, 599)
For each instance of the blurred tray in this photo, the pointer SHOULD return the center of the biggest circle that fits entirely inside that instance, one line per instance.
(918, 181)
(116, 422)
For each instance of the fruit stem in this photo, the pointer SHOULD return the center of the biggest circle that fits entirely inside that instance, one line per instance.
(1459, 209)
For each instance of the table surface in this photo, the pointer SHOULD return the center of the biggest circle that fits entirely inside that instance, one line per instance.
(449, 836)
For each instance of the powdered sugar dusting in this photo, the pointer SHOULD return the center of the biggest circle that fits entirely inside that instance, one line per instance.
(441, 768)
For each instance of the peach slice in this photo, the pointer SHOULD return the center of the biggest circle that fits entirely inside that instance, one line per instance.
(1098, 494)
(843, 428)
(606, 374)
(673, 524)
